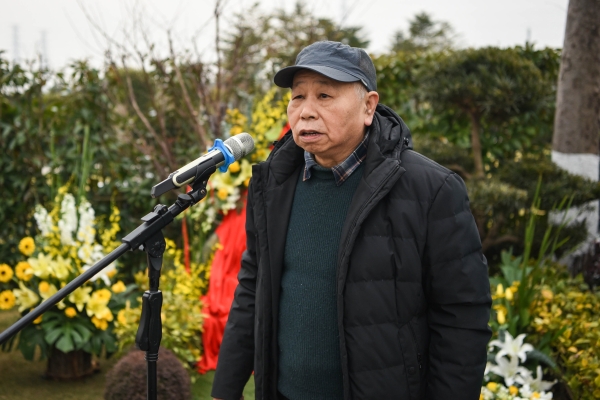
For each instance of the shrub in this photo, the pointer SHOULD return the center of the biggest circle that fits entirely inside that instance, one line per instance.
(127, 379)
(572, 312)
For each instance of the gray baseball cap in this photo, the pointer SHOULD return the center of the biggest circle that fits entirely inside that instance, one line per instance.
(335, 60)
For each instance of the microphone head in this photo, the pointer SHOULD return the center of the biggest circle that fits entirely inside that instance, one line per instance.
(240, 145)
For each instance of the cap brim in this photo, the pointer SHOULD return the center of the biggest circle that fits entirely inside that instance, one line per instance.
(285, 77)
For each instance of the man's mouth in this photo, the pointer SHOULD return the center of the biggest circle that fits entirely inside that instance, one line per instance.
(309, 133)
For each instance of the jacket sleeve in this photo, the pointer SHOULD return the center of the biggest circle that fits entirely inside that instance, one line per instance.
(458, 294)
(236, 355)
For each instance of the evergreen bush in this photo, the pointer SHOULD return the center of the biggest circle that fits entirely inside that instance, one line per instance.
(127, 379)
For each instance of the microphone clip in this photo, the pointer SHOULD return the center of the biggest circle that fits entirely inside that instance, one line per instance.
(198, 191)
(229, 158)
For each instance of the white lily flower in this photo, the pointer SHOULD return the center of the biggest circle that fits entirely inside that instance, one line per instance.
(536, 384)
(509, 369)
(513, 347)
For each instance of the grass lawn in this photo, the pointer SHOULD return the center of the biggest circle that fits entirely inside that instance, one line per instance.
(22, 380)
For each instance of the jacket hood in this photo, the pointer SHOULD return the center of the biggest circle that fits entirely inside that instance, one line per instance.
(390, 131)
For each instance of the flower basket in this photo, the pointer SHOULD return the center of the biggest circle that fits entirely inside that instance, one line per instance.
(73, 365)
(71, 240)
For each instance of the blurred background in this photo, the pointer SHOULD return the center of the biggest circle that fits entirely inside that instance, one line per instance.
(99, 101)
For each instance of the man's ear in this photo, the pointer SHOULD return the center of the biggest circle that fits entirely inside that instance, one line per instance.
(371, 99)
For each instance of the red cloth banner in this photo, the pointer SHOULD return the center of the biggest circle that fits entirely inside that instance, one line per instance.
(223, 281)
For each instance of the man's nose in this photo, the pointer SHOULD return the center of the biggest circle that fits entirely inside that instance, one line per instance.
(308, 110)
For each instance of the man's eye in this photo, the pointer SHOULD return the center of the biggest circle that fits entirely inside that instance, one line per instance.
(324, 95)
(298, 96)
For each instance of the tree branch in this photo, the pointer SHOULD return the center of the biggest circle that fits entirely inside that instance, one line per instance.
(200, 131)
(163, 145)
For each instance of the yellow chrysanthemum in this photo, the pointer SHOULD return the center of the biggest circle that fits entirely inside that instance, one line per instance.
(23, 271)
(46, 289)
(7, 300)
(222, 193)
(118, 287)
(38, 319)
(102, 295)
(493, 386)
(100, 323)
(70, 312)
(6, 273)
(43, 286)
(513, 390)
(27, 246)
(234, 167)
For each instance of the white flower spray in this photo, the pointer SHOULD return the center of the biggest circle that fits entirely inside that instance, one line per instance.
(43, 220)
(507, 366)
(86, 232)
(68, 221)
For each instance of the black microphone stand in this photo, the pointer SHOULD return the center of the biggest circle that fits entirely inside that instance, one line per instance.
(149, 238)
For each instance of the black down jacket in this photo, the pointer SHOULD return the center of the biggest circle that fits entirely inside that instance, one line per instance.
(413, 295)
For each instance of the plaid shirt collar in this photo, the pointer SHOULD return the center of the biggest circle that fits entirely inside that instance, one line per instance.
(342, 171)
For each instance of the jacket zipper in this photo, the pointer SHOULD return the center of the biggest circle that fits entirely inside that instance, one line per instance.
(347, 244)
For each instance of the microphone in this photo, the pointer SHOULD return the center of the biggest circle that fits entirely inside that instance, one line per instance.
(221, 155)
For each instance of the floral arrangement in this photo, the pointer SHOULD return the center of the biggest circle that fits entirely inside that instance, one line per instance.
(69, 243)
(572, 313)
(508, 377)
(182, 317)
(226, 190)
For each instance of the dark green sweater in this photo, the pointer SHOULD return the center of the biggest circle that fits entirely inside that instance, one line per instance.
(309, 353)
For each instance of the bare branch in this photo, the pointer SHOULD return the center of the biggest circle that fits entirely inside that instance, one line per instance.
(162, 143)
(217, 14)
(200, 131)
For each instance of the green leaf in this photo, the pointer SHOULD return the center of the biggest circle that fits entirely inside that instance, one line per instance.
(65, 344)
(53, 335)
(30, 338)
(83, 331)
(77, 339)
(542, 358)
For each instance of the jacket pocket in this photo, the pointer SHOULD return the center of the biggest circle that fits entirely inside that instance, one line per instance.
(421, 358)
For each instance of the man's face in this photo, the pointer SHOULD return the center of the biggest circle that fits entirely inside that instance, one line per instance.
(327, 117)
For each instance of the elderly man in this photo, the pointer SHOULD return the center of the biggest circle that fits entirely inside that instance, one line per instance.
(363, 276)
